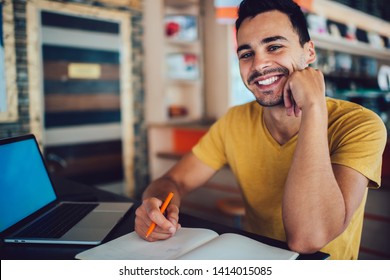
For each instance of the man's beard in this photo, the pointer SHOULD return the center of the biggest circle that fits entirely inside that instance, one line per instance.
(271, 103)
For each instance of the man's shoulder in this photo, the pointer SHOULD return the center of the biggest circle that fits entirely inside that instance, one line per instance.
(348, 115)
(338, 108)
(334, 103)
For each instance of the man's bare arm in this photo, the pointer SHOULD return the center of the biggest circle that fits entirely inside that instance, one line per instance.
(320, 198)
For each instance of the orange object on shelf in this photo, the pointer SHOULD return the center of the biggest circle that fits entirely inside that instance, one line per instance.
(177, 111)
(306, 4)
(185, 138)
(226, 12)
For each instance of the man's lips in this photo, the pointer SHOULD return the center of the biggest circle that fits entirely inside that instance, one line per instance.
(268, 76)
(268, 81)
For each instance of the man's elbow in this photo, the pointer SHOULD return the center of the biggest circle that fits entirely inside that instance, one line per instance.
(306, 244)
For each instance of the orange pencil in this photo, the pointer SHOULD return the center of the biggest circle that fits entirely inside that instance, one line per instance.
(162, 210)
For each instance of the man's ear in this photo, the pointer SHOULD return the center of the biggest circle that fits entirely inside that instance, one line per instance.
(310, 52)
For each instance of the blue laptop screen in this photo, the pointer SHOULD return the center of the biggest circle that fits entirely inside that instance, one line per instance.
(24, 184)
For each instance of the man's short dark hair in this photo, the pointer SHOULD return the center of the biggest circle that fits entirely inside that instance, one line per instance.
(251, 8)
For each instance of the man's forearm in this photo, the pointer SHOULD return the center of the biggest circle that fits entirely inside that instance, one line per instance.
(160, 187)
(313, 206)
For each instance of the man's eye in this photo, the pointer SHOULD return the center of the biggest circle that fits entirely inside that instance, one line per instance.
(245, 55)
(274, 48)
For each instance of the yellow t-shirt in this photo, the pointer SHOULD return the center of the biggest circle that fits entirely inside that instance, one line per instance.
(240, 139)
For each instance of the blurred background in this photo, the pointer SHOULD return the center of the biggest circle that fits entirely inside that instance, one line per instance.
(116, 91)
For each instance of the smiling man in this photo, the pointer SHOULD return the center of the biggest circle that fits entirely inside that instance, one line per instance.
(303, 161)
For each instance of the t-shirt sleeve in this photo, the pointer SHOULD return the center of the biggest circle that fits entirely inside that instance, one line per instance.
(211, 148)
(359, 144)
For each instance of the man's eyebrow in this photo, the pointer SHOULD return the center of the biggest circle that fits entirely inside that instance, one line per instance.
(272, 39)
(262, 42)
(243, 47)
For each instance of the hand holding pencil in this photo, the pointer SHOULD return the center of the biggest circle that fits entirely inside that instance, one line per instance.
(152, 225)
(162, 210)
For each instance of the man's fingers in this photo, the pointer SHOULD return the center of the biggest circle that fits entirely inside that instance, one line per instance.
(297, 111)
(287, 97)
(149, 212)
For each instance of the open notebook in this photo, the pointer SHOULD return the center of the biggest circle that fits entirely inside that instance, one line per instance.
(187, 244)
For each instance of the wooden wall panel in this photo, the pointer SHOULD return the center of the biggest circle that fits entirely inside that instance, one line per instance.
(87, 102)
(73, 101)
(58, 38)
(75, 54)
(59, 70)
(81, 87)
(73, 118)
(79, 23)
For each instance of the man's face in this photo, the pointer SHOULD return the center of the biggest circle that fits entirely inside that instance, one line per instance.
(268, 52)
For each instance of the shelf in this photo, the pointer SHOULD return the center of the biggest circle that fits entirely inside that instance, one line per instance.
(174, 45)
(368, 82)
(342, 75)
(182, 43)
(180, 3)
(326, 41)
(187, 6)
(347, 15)
(170, 155)
(183, 82)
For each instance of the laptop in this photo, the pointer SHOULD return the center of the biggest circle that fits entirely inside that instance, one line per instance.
(30, 209)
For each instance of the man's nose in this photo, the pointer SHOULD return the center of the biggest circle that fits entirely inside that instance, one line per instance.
(260, 62)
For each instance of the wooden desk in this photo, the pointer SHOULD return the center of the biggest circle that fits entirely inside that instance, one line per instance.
(69, 190)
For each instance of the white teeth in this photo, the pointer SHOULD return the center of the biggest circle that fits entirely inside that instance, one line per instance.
(268, 81)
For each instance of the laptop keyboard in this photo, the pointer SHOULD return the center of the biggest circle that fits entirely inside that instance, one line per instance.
(57, 222)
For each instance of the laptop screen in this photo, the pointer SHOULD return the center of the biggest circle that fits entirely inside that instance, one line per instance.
(24, 183)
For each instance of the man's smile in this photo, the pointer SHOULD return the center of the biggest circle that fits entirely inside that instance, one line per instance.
(267, 77)
(268, 81)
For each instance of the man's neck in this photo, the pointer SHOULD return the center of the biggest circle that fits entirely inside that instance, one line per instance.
(281, 127)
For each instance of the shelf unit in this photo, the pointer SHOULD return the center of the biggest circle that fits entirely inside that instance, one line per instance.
(349, 65)
(174, 61)
(374, 53)
(328, 42)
